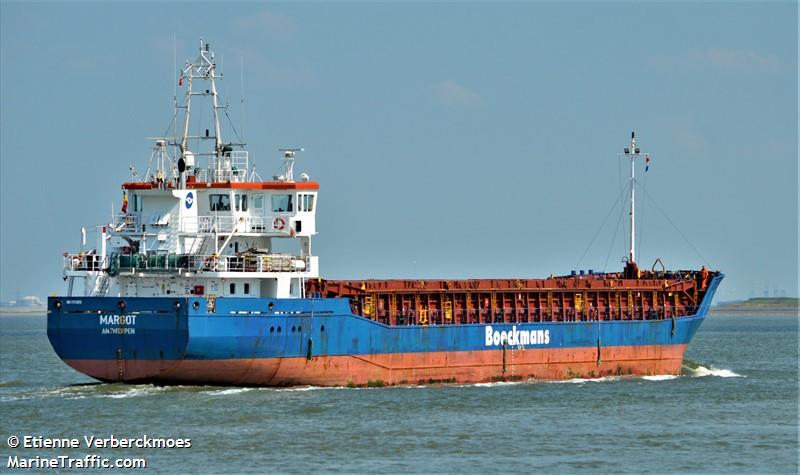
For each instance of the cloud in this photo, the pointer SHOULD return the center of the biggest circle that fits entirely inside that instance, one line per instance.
(737, 58)
(691, 139)
(687, 134)
(451, 93)
(731, 59)
(275, 25)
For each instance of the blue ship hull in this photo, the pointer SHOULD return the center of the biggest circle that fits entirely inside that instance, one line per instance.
(245, 341)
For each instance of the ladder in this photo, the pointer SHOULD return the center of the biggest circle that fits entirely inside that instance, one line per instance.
(197, 246)
(103, 283)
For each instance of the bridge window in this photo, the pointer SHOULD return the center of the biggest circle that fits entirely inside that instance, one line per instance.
(220, 202)
(241, 202)
(306, 202)
(233, 289)
(258, 201)
(246, 288)
(281, 203)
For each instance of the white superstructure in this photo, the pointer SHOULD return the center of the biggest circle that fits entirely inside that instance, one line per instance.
(215, 231)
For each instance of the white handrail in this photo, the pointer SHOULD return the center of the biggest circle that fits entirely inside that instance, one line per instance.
(192, 263)
(227, 224)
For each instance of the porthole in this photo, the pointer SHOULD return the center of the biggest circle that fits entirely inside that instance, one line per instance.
(322, 329)
(279, 329)
(272, 329)
(293, 329)
(270, 306)
(196, 305)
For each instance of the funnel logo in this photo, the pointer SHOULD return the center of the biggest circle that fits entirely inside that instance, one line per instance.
(189, 200)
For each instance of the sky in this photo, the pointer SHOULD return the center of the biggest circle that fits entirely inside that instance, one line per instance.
(451, 140)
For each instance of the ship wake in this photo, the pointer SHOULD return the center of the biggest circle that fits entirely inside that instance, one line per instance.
(696, 370)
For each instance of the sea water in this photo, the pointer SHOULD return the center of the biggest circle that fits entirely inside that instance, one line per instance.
(734, 409)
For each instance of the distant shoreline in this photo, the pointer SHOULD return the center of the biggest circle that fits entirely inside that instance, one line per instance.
(755, 312)
(23, 312)
(760, 306)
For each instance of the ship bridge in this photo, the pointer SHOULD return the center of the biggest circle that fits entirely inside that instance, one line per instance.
(202, 221)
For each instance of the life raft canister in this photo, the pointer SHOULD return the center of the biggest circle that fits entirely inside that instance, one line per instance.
(279, 224)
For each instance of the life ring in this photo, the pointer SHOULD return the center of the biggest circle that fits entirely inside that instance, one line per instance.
(279, 223)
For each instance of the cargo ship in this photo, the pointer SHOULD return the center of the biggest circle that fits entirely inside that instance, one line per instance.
(186, 286)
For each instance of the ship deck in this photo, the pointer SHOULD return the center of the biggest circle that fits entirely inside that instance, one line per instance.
(652, 295)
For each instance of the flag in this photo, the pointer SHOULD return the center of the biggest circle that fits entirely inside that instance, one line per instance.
(124, 201)
(180, 81)
(646, 163)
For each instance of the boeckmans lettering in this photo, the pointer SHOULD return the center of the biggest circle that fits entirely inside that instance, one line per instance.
(516, 337)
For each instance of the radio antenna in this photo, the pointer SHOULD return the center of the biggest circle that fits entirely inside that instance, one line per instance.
(241, 94)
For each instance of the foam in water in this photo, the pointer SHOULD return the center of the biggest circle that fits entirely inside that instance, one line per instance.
(659, 377)
(134, 391)
(586, 380)
(307, 388)
(226, 392)
(496, 383)
(699, 371)
(122, 391)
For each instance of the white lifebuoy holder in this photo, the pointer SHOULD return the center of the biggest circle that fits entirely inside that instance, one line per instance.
(279, 223)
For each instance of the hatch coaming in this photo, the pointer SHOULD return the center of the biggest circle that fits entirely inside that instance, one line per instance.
(596, 297)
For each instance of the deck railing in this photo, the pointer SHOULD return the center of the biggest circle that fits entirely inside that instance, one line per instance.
(131, 223)
(227, 224)
(424, 316)
(233, 167)
(207, 263)
(126, 223)
(83, 262)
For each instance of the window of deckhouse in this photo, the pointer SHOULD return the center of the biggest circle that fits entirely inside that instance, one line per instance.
(219, 202)
(258, 201)
(306, 202)
(281, 203)
(241, 202)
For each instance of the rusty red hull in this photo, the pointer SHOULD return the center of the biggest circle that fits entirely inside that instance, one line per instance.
(392, 369)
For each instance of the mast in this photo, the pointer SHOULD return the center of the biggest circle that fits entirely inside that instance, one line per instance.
(633, 152)
(214, 106)
(188, 105)
(203, 68)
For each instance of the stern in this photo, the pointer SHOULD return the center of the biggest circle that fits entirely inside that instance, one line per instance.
(119, 339)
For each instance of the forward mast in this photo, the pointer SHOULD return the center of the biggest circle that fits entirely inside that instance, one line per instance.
(633, 152)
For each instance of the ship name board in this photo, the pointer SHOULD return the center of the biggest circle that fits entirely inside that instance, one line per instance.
(117, 319)
(115, 324)
(516, 337)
